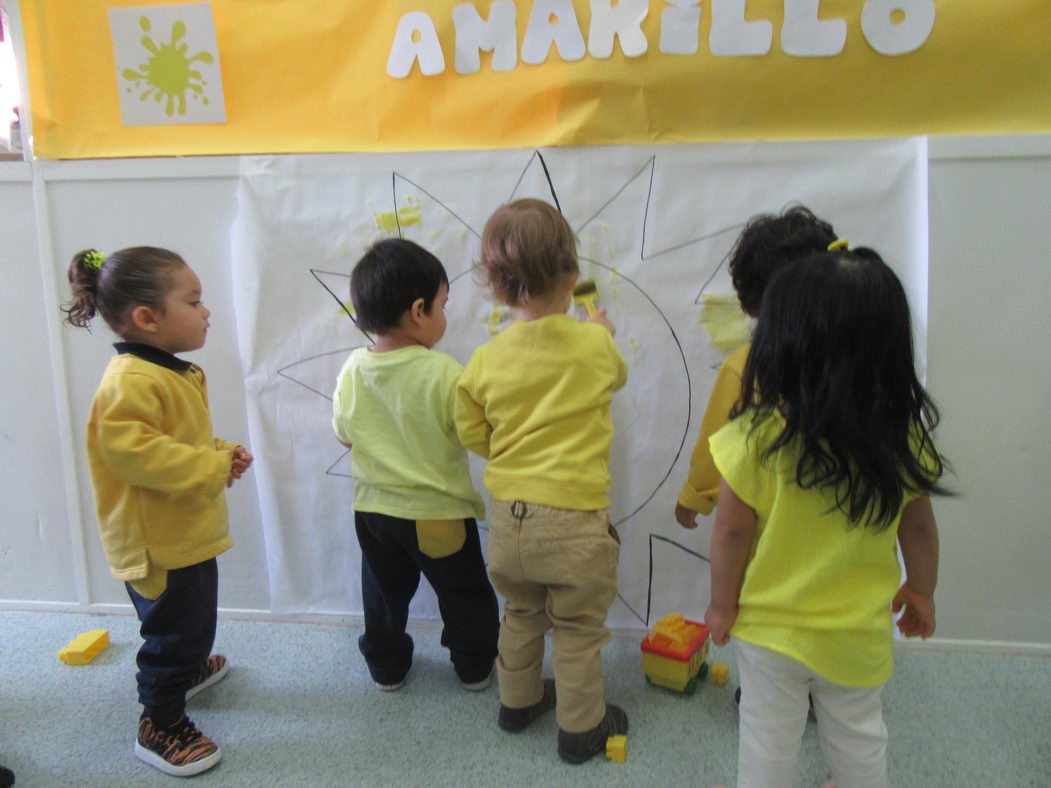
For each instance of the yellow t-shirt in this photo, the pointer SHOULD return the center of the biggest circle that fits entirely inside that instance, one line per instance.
(816, 588)
(700, 491)
(396, 408)
(535, 400)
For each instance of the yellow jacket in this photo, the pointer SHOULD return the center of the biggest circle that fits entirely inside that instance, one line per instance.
(157, 472)
(535, 400)
(701, 488)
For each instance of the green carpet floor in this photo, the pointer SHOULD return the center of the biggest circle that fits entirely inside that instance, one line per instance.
(298, 709)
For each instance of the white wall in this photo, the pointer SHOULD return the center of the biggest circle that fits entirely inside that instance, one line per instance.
(990, 371)
(989, 281)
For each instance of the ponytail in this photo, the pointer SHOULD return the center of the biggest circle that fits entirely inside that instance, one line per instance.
(83, 276)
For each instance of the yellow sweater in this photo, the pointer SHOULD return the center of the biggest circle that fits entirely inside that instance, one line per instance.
(535, 400)
(157, 472)
(701, 488)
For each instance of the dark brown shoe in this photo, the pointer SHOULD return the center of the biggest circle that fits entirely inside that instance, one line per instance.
(580, 747)
(517, 720)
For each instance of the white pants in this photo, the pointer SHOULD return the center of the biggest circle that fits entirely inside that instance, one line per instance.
(774, 706)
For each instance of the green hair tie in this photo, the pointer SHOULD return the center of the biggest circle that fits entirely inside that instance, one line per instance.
(94, 260)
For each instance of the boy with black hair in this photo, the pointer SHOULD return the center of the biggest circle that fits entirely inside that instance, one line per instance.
(767, 243)
(414, 503)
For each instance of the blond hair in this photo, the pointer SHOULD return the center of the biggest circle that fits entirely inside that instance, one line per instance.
(528, 248)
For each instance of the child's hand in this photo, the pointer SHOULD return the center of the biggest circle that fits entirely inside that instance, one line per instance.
(600, 318)
(240, 463)
(687, 518)
(719, 623)
(918, 618)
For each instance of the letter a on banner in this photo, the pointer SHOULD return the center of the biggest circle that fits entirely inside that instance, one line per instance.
(415, 39)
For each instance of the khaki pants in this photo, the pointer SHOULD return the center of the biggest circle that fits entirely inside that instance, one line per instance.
(556, 569)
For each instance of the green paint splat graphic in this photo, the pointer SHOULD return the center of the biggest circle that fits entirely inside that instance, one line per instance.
(168, 72)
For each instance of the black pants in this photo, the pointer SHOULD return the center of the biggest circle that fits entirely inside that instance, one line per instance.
(391, 563)
(178, 630)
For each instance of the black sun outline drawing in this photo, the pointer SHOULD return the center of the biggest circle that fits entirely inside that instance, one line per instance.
(648, 171)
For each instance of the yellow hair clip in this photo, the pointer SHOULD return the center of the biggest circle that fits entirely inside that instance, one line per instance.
(94, 259)
(842, 243)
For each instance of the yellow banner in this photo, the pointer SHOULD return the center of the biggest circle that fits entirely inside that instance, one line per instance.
(333, 75)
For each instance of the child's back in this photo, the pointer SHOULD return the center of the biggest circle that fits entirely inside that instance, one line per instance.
(535, 401)
(396, 410)
(547, 385)
(767, 243)
(827, 461)
(415, 508)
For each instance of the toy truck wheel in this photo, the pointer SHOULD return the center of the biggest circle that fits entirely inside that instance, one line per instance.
(703, 672)
(691, 686)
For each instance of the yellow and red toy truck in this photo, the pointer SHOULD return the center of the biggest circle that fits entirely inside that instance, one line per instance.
(675, 653)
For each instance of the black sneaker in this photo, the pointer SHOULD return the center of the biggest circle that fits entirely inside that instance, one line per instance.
(517, 720)
(580, 747)
(7, 777)
(179, 750)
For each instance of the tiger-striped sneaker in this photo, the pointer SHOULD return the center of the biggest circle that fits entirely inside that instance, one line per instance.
(215, 669)
(180, 750)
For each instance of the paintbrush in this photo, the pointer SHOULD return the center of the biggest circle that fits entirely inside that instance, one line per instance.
(586, 293)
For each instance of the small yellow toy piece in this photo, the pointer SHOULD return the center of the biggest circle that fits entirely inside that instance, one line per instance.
(617, 748)
(85, 648)
(720, 673)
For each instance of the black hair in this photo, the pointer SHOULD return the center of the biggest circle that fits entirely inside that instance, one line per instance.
(388, 278)
(769, 241)
(833, 354)
(113, 285)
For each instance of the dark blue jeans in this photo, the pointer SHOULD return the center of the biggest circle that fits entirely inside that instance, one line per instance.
(391, 563)
(178, 630)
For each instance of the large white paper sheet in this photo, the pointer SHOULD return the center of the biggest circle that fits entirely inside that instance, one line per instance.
(655, 226)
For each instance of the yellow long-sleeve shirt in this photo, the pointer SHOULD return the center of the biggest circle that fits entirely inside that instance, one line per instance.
(157, 472)
(701, 488)
(397, 410)
(535, 400)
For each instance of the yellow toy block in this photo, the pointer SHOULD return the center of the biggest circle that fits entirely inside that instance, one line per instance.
(673, 632)
(617, 748)
(85, 648)
(720, 673)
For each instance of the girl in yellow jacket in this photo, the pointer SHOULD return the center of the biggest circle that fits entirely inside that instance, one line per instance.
(158, 476)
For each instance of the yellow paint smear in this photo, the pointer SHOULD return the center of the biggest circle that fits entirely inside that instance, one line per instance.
(725, 321)
(388, 221)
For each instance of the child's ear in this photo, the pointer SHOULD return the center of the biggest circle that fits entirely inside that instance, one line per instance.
(417, 310)
(144, 319)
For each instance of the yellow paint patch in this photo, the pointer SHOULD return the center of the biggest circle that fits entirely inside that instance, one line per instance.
(725, 321)
(391, 221)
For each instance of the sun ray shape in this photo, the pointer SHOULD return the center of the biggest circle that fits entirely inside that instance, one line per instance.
(400, 183)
